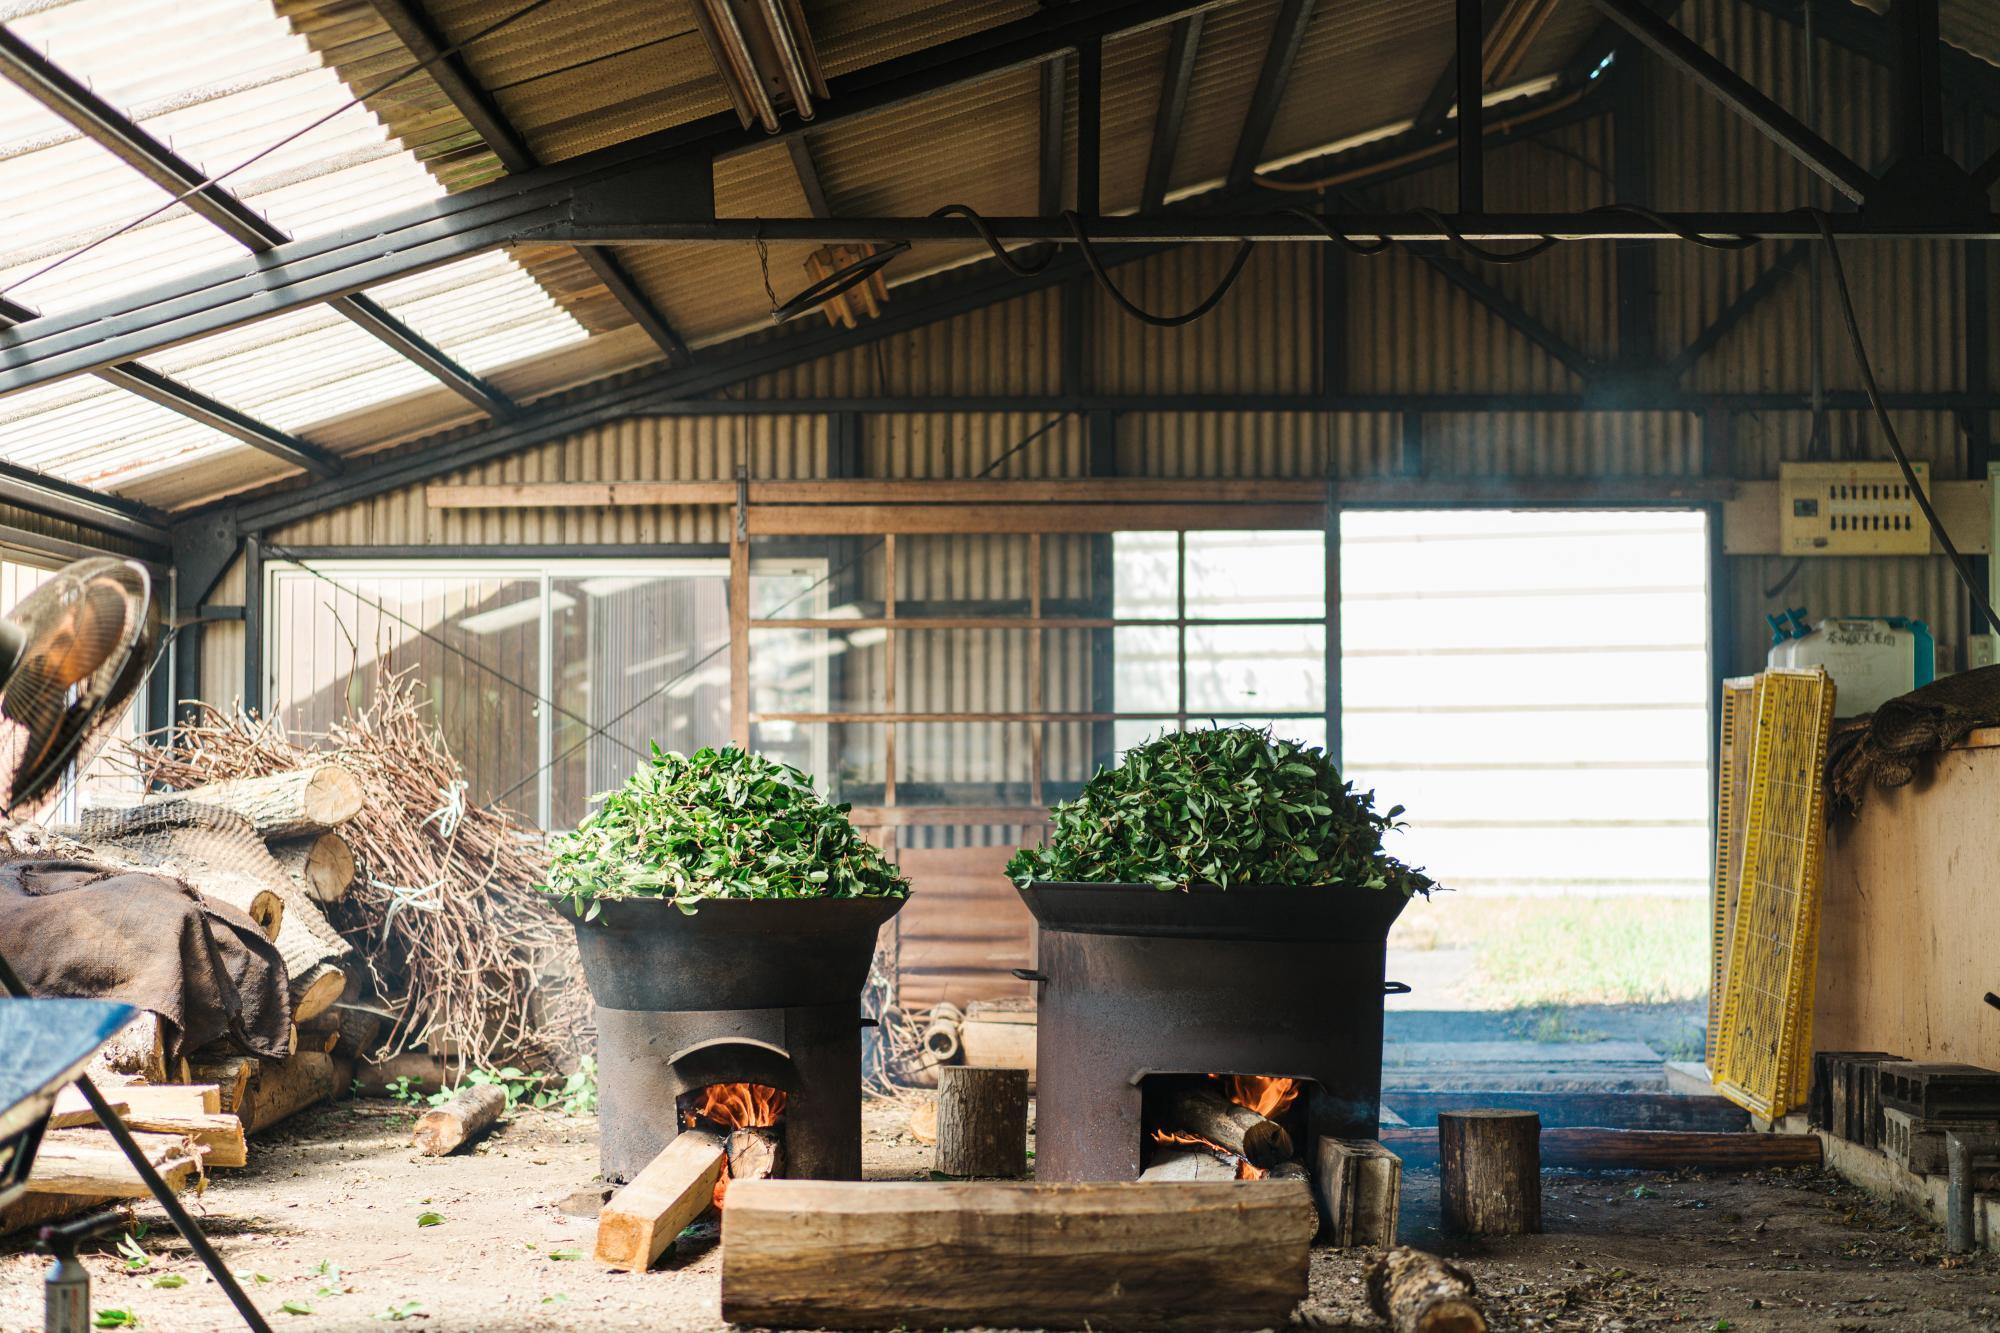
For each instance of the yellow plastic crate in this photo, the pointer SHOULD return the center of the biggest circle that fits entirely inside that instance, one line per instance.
(1732, 784)
(1764, 1044)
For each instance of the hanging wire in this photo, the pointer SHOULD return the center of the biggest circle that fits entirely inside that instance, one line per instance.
(1189, 316)
(1018, 267)
(1861, 363)
(1705, 240)
(174, 201)
(1491, 256)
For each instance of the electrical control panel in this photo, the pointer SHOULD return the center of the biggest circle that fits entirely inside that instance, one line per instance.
(1850, 509)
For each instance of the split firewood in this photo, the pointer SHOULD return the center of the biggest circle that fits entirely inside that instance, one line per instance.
(982, 1121)
(1187, 1164)
(1207, 1114)
(284, 805)
(676, 1187)
(323, 867)
(219, 1136)
(1421, 1293)
(755, 1154)
(941, 1033)
(231, 1074)
(471, 1112)
(169, 1098)
(88, 1161)
(889, 1254)
(73, 1112)
(1361, 1183)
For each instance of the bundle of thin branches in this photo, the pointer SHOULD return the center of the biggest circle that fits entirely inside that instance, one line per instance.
(464, 950)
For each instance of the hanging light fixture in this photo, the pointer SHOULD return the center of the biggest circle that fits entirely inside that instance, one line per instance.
(847, 282)
(764, 53)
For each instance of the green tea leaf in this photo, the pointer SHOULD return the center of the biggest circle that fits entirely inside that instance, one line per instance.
(168, 1281)
(429, 1219)
(116, 1319)
(296, 1307)
(566, 1254)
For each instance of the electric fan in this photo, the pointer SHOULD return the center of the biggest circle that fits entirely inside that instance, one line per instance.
(71, 656)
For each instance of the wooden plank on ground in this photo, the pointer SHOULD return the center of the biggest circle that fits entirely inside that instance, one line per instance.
(221, 1136)
(1166, 1255)
(88, 1161)
(1586, 1149)
(1602, 1110)
(675, 1188)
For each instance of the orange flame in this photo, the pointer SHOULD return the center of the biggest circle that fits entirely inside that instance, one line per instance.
(1267, 1095)
(738, 1106)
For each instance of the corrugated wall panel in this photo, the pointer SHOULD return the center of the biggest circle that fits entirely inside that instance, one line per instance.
(1843, 586)
(1562, 444)
(222, 642)
(1263, 337)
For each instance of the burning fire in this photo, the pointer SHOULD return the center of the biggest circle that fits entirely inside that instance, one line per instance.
(1268, 1095)
(737, 1106)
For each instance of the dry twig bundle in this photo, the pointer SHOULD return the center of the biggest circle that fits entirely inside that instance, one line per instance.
(463, 947)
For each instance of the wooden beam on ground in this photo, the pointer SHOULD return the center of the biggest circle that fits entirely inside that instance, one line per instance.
(1602, 1110)
(1584, 1149)
(1168, 1255)
(676, 1187)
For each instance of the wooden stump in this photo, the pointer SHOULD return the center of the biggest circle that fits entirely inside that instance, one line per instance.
(1421, 1293)
(1490, 1172)
(982, 1121)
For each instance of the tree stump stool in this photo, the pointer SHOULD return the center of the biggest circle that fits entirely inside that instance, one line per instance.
(1490, 1172)
(982, 1121)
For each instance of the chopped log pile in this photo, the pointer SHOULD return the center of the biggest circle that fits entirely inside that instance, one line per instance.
(1239, 1121)
(426, 902)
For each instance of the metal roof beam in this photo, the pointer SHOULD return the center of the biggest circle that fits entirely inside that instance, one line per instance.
(489, 215)
(97, 120)
(807, 170)
(150, 384)
(1739, 95)
(455, 80)
(1288, 33)
(1183, 49)
(56, 498)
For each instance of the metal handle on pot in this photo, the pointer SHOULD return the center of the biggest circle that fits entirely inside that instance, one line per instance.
(1028, 974)
(1395, 988)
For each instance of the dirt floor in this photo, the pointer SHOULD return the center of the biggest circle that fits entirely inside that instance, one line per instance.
(325, 1228)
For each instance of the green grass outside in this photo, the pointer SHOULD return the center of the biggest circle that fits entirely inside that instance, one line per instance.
(1537, 952)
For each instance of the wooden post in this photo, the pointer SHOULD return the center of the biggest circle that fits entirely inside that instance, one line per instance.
(470, 1112)
(982, 1121)
(1490, 1172)
(675, 1188)
(1421, 1293)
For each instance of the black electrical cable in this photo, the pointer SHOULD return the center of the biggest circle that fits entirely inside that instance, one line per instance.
(1188, 316)
(1979, 598)
(1458, 238)
(1660, 220)
(1381, 244)
(1018, 267)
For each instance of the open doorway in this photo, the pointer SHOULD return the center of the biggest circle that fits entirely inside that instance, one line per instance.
(1533, 686)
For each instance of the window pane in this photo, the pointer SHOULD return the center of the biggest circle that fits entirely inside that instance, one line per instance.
(635, 659)
(963, 670)
(1145, 573)
(1149, 670)
(963, 763)
(1256, 668)
(964, 575)
(817, 671)
(1256, 575)
(472, 643)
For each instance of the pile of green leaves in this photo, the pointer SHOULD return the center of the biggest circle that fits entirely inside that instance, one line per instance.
(1232, 805)
(717, 824)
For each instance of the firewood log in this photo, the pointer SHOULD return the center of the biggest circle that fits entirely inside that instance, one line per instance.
(1421, 1293)
(1209, 1115)
(323, 867)
(170, 1098)
(73, 1112)
(358, 1032)
(38, 1210)
(230, 1073)
(676, 1187)
(471, 1112)
(313, 951)
(1490, 1172)
(982, 1121)
(138, 1050)
(755, 1154)
(246, 893)
(219, 1136)
(283, 1088)
(284, 805)
(1187, 1164)
(941, 1033)
(1362, 1185)
(88, 1161)
(891, 1254)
